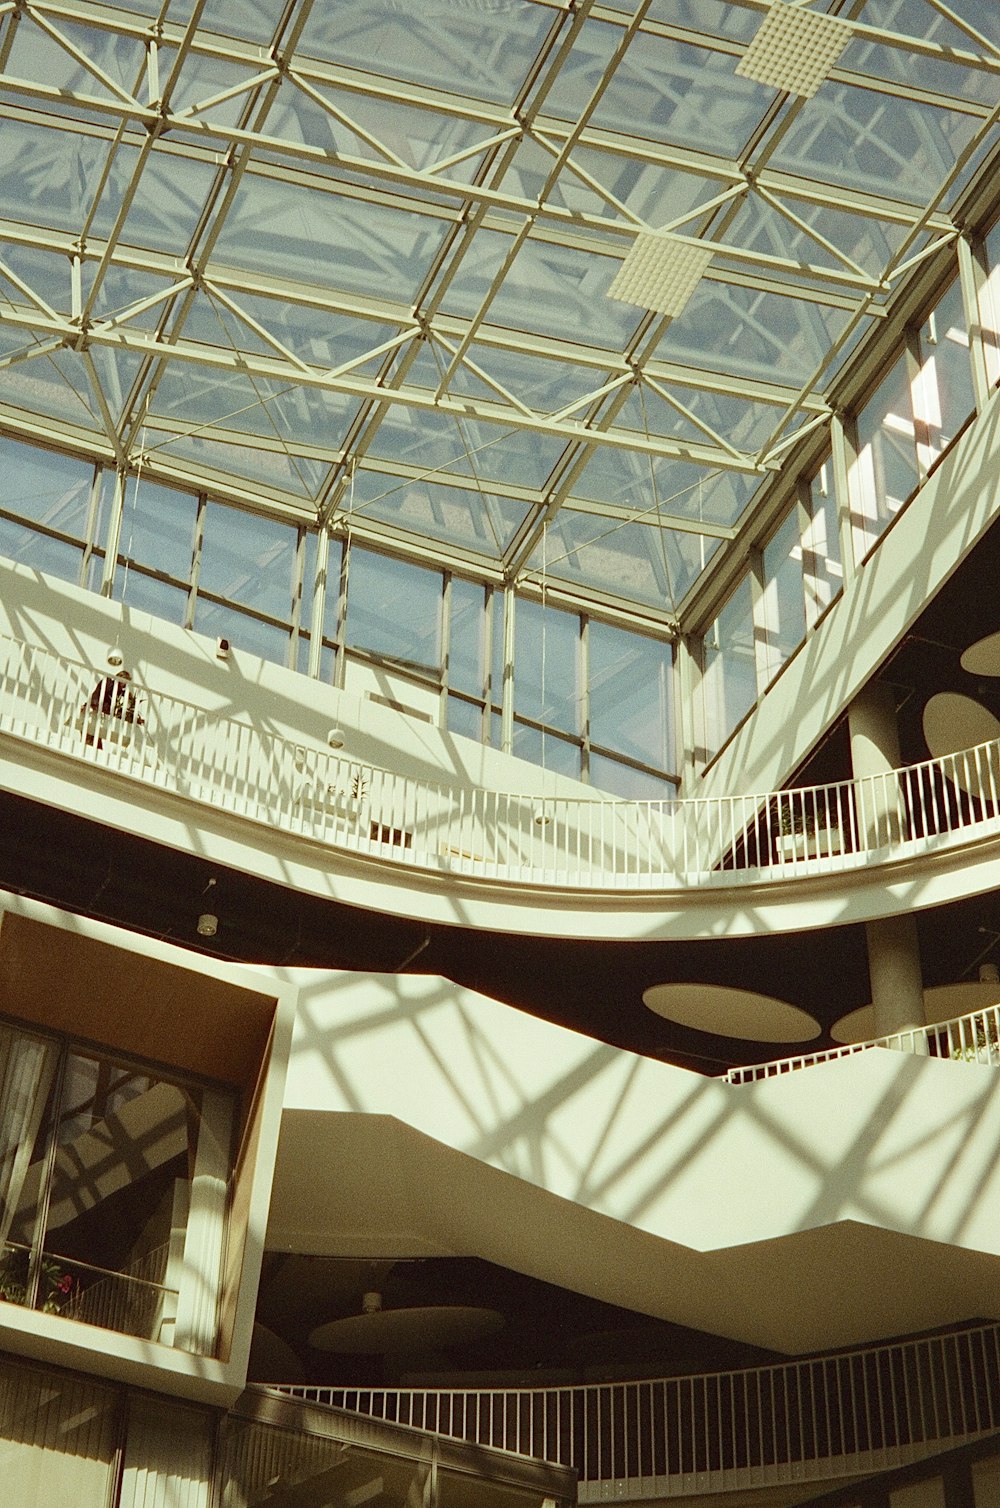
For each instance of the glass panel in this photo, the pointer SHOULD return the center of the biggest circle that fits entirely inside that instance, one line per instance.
(547, 750)
(465, 718)
(885, 471)
(989, 303)
(622, 780)
(499, 599)
(54, 556)
(150, 595)
(248, 559)
(546, 665)
(783, 604)
(467, 637)
(98, 1160)
(121, 1146)
(485, 52)
(394, 608)
(942, 394)
(46, 488)
(630, 701)
(157, 529)
(255, 1456)
(822, 572)
(730, 680)
(220, 621)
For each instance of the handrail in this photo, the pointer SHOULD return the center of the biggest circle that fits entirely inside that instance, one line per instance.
(973, 1038)
(598, 844)
(818, 1417)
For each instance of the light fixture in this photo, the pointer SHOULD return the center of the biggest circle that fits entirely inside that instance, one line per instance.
(208, 924)
(335, 738)
(660, 272)
(378, 1331)
(542, 818)
(115, 658)
(794, 49)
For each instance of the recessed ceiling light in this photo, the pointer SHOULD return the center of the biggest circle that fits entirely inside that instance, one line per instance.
(660, 272)
(794, 49)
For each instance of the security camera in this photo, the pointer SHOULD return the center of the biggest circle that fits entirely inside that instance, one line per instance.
(222, 649)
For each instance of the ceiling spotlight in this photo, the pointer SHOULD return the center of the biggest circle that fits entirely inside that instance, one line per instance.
(794, 49)
(335, 738)
(208, 924)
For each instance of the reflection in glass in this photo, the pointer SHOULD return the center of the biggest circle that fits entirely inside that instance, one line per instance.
(547, 666)
(157, 529)
(218, 620)
(730, 676)
(113, 1190)
(822, 572)
(783, 605)
(942, 394)
(378, 588)
(467, 637)
(885, 469)
(630, 710)
(44, 488)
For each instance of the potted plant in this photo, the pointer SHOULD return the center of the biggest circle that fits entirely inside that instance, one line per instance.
(805, 829)
(55, 1285)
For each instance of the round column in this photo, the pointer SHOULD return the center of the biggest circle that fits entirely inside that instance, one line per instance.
(893, 951)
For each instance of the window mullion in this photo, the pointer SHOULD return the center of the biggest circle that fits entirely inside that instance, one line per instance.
(972, 275)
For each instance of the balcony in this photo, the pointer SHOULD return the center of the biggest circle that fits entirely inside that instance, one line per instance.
(499, 846)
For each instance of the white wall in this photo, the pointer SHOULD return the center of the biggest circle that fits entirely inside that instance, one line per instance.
(404, 1086)
(163, 658)
(922, 549)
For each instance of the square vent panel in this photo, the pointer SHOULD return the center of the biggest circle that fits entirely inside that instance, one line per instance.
(660, 272)
(794, 49)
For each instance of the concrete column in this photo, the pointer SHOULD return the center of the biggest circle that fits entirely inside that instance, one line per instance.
(893, 950)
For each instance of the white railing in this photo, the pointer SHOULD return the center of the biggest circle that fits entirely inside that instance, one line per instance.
(974, 1038)
(130, 1302)
(599, 844)
(818, 1418)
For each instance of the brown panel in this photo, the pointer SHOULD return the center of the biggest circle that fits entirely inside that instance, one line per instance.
(239, 1210)
(135, 1005)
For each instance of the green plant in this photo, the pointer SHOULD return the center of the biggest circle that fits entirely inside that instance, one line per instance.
(795, 818)
(55, 1285)
(985, 1042)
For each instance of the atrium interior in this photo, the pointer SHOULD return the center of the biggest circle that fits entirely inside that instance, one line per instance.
(499, 665)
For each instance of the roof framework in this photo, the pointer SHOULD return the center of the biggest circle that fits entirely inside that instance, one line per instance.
(351, 264)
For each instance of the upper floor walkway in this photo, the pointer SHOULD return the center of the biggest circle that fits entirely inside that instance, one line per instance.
(776, 1433)
(533, 862)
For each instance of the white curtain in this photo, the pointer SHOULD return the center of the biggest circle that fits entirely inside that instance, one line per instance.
(58, 1435)
(26, 1069)
(168, 1456)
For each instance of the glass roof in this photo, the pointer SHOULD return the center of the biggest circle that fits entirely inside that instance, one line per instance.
(351, 262)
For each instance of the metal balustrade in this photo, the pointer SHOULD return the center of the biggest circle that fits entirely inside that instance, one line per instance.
(819, 1418)
(973, 1038)
(589, 844)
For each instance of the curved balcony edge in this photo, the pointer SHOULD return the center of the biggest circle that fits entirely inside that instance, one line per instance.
(815, 1419)
(464, 855)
